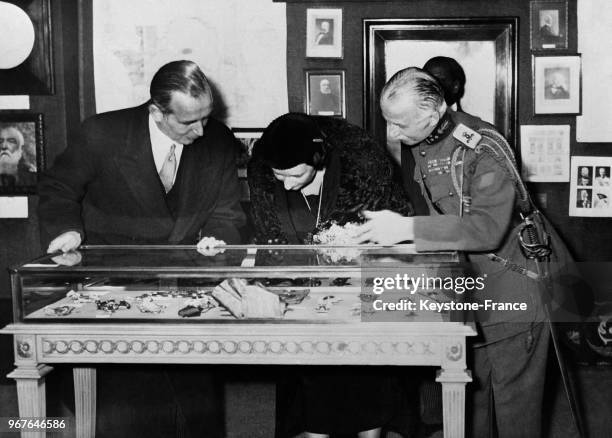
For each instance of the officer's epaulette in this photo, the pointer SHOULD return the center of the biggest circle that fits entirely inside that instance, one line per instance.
(466, 136)
(442, 129)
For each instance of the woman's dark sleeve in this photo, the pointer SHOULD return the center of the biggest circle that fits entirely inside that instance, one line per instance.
(368, 171)
(263, 208)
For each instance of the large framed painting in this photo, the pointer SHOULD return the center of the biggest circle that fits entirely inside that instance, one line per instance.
(486, 49)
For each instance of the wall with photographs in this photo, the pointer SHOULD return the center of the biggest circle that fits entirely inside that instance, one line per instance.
(20, 237)
(582, 234)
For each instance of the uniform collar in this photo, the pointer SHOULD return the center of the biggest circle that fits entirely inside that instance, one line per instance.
(444, 127)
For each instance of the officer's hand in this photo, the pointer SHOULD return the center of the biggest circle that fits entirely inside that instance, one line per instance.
(68, 241)
(384, 227)
(207, 245)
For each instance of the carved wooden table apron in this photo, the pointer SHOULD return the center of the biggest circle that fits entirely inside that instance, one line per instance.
(441, 344)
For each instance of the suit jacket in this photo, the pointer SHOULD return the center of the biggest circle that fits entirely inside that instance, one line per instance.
(106, 186)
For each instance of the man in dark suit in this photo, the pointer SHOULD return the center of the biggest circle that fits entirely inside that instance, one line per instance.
(163, 172)
(160, 173)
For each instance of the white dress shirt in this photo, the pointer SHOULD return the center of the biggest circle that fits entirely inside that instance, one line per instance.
(160, 145)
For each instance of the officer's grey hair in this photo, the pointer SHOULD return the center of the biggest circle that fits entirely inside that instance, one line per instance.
(416, 83)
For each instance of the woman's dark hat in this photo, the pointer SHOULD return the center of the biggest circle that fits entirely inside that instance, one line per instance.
(290, 140)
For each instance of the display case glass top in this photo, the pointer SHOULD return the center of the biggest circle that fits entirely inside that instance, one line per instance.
(120, 258)
(241, 282)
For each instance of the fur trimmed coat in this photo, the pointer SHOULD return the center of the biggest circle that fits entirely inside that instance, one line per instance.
(358, 177)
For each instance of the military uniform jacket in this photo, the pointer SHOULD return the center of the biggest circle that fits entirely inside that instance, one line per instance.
(486, 225)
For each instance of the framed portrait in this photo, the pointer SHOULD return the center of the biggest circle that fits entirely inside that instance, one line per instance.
(545, 153)
(26, 61)
(22, 156)
(323, 33)
(590, 188)
(548, 25)
(246, 140)
(325, 93)
(557, 84)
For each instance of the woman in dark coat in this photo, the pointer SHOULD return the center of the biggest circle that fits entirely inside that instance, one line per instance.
(306, 173)
(300, 157)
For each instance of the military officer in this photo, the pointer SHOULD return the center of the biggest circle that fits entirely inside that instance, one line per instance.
(461, 167)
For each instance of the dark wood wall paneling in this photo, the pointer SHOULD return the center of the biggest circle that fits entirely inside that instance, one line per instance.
(20, 237)
(589, 238)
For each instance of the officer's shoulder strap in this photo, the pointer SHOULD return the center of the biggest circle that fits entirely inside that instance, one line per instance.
(466, 136)
(489, 141)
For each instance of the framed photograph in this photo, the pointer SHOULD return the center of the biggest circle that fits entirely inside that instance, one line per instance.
(590, 189)
(545, 152)
(325, 93)
(22, 155)
(324, 33)
(26, 61)
(548, 25)
(246, 140)
(557, 84)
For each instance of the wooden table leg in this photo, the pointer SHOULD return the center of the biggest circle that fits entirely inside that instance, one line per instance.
(85, 401)
(453, 401)
(31, 398)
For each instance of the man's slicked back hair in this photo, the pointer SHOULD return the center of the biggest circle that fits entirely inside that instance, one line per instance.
(182, 76)
(415, 82)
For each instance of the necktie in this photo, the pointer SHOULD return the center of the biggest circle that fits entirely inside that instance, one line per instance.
(168, 169)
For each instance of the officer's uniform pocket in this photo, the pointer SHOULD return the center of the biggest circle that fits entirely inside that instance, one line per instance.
(443, 195)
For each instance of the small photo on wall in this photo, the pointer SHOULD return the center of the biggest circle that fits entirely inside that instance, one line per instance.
(585, 175)
(556, 84)
(21, 152)
(548, 25)
(601, 200)
(324, 33)
(584, 198)
(545, 153)
(325, 93)
(590, 189)
(602, 176)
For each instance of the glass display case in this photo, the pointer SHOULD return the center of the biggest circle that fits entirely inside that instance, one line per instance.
(244, 305)
(178, 283)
